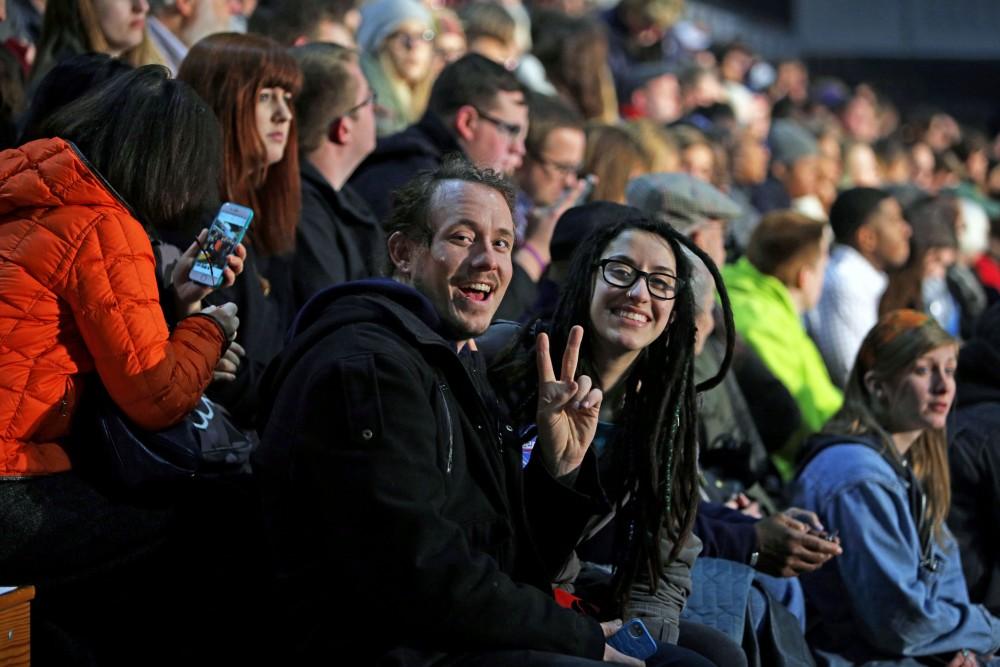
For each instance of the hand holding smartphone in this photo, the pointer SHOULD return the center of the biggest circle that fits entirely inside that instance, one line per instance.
(227, 231)
(634, 640)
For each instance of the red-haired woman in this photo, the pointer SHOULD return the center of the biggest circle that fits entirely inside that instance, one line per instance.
(249, 81)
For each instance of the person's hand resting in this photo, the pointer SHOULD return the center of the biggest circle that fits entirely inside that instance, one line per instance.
(568, 408)
(187, 293)
(742, 503)
(229, 363)
(612, 654)
(786, 546)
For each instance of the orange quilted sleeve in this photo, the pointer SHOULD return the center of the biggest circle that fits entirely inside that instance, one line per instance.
(156, 377)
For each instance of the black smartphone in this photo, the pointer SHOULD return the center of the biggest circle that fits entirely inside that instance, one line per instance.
(227, 230)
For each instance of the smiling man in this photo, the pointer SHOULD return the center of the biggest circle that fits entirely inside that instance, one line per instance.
(392, 488)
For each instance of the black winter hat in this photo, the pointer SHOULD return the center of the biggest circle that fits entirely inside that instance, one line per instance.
(851, 209)
(577, 223)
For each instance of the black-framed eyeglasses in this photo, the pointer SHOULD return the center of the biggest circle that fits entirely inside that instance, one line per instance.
(512, 130)
(565, 170)
(617, 273)
(371, 99)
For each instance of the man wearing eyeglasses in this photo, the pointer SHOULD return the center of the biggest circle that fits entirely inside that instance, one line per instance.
(548, 183)
(476, 108)
(338, 237)
(554, 151)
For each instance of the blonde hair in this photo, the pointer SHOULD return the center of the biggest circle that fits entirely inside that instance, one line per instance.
(72, 26)
(412, 101)
(614, 156)
(659, 144)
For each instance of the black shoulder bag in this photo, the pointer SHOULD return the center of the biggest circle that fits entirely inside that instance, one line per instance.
(121, 457)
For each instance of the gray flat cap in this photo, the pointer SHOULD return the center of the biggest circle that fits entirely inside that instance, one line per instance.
(679, 199)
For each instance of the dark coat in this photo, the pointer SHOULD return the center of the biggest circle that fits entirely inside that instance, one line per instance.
(974, 455)
(397, 159)
(394, 495)
(338, 238)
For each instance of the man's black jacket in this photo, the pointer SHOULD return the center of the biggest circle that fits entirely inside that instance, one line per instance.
(338, 238)
(394, 495)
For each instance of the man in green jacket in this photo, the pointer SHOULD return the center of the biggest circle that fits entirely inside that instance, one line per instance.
(779, 280)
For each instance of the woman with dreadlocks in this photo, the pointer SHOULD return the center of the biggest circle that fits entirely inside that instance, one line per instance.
(628, 289)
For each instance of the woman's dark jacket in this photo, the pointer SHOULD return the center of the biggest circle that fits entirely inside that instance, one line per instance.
(974, 455)
(263, 295)
(394, 496)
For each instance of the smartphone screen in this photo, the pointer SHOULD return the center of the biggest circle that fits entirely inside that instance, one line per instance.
(227, 230)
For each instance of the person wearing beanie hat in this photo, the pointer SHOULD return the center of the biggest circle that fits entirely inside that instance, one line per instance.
(872, 237)
(795, 164)
(974, 454)
(396, 40)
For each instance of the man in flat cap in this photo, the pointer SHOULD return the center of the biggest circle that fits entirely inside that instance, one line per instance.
(690, 205)
(702, 212)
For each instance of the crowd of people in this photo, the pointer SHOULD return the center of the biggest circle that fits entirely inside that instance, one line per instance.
(550, 316)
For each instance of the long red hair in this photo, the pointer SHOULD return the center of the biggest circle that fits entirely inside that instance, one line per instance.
(228, 70)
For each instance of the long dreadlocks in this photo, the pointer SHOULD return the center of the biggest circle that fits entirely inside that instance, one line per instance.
(656, 444)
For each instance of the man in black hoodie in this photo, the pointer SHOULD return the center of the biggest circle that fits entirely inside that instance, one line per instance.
(974, 455)
(392, 489)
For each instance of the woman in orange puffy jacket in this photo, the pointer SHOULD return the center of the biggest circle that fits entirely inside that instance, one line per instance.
(78, 295)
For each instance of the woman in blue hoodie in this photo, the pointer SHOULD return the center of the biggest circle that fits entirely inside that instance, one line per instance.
(879, 478)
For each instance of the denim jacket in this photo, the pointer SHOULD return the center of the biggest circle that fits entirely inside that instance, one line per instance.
(886, 597)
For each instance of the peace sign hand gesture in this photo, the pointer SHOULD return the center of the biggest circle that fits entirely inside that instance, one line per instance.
(568, 409)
